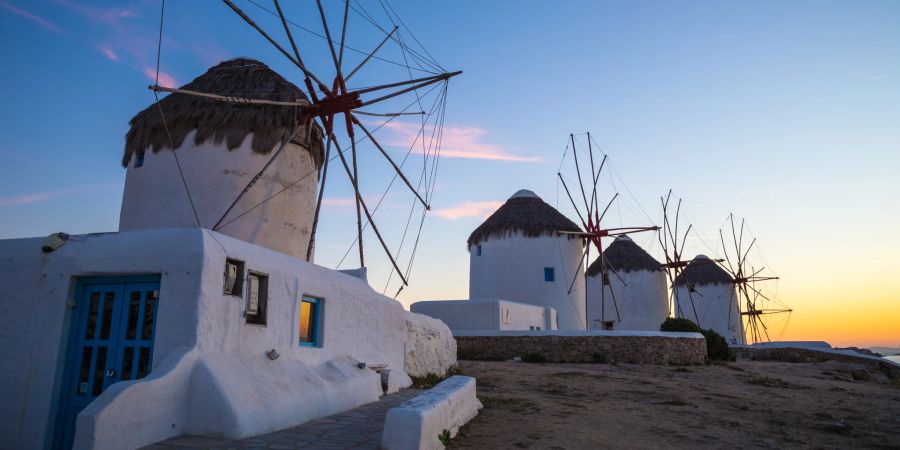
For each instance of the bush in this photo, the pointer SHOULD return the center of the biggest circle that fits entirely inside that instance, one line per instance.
(716, 347)
(680, 325)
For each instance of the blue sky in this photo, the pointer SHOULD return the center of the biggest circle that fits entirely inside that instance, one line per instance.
(785, 113)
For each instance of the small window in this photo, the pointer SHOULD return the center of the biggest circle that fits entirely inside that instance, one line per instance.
(549, 274)
(478, 250)
(609, 325)
(310, 322)
(257, 298)
(139, 159)
(234, 277)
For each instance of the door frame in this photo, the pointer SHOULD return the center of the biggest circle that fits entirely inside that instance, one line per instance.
(73, 314)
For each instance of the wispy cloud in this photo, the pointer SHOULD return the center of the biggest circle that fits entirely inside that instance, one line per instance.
(165, 80)
(109, 53)
(880, 76)
(468, 209)
(100, 14)
(32, 17)
(456, 142)
(38, 197)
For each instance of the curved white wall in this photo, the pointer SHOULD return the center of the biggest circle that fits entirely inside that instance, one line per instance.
(716, 308)
(512, 268)
(641, 297)
(155, 196)
(210, 371)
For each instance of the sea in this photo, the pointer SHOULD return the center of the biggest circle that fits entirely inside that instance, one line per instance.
(895, 358)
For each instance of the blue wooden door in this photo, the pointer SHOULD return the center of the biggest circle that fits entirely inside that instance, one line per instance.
(111, 340)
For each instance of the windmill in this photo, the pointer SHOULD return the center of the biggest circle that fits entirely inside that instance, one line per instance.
(591, 218)
(672, 242)
(335, 108)
(753, 302)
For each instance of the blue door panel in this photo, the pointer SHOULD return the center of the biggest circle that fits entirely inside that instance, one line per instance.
(111, 340)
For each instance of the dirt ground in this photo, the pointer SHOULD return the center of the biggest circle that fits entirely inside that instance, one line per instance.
(746, 404)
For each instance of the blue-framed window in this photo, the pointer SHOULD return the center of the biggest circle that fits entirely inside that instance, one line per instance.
(549, 274)
(310, 322)
(139, 159)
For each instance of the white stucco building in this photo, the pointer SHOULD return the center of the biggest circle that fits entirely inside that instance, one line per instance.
(119, 340)
(517, 254)
(705, 294)
(487, 314)
(637, 284)
(219, 161)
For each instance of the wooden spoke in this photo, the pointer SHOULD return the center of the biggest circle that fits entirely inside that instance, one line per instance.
(370, 55)
(312, 235)
(368, 214)
(393, 164)
(272, 41)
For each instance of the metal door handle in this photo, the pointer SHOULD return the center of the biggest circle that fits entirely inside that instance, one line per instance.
(110, 373)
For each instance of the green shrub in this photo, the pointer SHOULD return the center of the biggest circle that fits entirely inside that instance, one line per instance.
(426, 382)
(716, 347)
(444, 437)
(679, 325)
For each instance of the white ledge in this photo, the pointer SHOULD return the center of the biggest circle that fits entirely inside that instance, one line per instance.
(419, 423)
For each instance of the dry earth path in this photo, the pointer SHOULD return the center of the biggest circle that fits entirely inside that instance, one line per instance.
(747, 404)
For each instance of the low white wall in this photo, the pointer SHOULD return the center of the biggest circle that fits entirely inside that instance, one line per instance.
(230, 375)
(418, 423)
(487, 314)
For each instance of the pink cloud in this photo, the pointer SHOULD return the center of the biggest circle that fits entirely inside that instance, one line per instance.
(109, 53)
(468, 209)
(109, 16)
(165, 80)
(32, 17)
(457, 142)
(37, 197)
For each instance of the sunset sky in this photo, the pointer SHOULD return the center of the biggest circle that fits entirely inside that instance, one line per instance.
(786, 113)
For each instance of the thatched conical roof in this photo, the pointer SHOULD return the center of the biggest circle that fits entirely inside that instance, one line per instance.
(525, 213)
(224, 121)
(702, 270)
(623, 255)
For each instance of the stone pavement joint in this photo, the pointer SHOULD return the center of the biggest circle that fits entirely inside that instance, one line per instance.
(358, 428)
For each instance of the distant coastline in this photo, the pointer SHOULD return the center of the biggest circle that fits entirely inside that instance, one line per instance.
(894, 358)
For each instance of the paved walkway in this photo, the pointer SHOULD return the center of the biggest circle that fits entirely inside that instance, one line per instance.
(358, 428)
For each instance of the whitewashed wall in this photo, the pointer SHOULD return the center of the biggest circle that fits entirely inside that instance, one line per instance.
(487, 314)
(512, 268)
(210, 372)
(641, 297)
(716, 308)
(155, 196)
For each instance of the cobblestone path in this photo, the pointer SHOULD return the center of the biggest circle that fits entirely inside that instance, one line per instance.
(358, 428)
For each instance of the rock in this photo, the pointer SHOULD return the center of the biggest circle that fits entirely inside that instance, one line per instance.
(430, 347)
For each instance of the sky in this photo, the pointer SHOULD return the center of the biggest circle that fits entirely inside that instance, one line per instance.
(785, 113)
